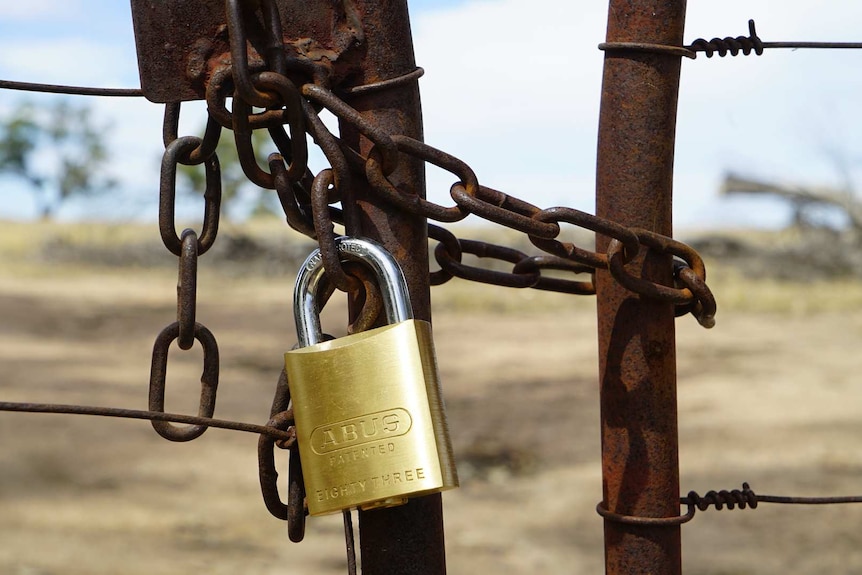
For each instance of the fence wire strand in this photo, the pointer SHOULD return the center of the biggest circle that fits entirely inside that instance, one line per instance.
(119, 412)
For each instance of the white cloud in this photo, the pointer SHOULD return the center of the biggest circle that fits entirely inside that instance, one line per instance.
(490, 65)
(512, 87)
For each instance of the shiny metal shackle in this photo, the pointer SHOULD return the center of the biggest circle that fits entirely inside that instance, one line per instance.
(390, 279)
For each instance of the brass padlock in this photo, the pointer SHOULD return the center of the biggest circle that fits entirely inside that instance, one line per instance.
(370, 420)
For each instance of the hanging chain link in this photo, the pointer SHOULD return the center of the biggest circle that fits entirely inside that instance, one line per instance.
(187, 246)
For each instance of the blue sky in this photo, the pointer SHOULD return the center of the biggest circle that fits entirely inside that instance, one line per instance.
(512, 87)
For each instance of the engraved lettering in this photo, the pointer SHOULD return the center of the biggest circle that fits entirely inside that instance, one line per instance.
(341, 491)
(346, 457)
(354, 432)
(348, 433)
(313, 261)
(369, 426)
(390, 423)
(344, 247)
(355, 492)
(328, 440)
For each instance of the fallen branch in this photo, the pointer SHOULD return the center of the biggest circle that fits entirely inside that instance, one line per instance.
(801, 196)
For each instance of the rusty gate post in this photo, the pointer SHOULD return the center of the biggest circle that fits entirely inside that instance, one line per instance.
(406, 540)
(637, 361)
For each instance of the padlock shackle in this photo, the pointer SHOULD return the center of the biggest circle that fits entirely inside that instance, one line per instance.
(390, 279)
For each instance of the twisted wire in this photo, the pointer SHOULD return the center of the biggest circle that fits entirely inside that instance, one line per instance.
(723, 46)
(719, 499)
(744, 44)
(744, 498)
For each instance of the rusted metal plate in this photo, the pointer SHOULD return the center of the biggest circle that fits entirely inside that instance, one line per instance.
(171, 36)
(180, 42)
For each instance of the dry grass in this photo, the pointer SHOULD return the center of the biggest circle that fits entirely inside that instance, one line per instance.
(737, 293)
(51, 249)
(769, 396)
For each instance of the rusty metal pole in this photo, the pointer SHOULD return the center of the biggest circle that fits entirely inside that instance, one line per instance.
(637, 361)
(406, 540)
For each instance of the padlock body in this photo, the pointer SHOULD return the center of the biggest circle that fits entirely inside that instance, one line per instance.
(370, 419)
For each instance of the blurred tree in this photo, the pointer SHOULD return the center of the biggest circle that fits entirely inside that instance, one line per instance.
(58, 149)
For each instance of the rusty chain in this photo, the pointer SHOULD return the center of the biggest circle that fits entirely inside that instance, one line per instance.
(308, 199)
(187, 246)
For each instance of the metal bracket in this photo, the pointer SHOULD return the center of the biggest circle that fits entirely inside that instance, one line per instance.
(181, 43)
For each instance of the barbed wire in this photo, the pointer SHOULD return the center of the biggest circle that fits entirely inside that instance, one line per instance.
(724, 46)
(744, 498)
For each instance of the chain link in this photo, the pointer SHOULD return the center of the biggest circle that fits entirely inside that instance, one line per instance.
(541, 226)
(376, 173)
(296, 508)
(207, 147)
(293, 148)
(236, 24)
(209, 381)
(187, 282)
(174, 152)
(188, 246)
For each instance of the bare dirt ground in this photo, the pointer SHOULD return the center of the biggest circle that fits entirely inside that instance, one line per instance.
(771, 396)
